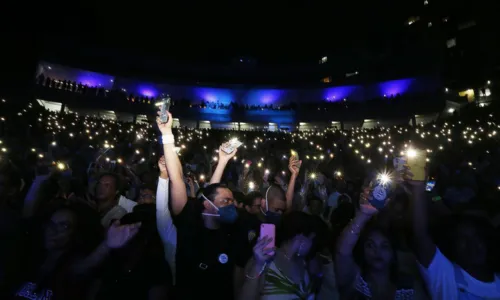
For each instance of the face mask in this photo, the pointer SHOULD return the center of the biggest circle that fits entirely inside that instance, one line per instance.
(271, 216)
(226, 214)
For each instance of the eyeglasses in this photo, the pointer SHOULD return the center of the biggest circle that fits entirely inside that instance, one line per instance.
(147, 196)
(58, 227)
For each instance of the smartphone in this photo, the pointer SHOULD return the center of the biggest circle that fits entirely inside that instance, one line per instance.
(233, 144)
(416, 163)
(399, 163)
(430, 185)
(268, 230)
(164, 104)
(378, 196)
(294, 153)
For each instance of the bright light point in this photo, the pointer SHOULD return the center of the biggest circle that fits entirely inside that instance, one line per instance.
(411, 153)
(384, 178)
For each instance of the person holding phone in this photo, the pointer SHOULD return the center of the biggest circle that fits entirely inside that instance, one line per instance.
(377, 275)
(205, 254)
(283, 273)
(469, 272)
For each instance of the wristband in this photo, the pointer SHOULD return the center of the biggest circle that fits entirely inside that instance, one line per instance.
(167, 139)
(258, 275)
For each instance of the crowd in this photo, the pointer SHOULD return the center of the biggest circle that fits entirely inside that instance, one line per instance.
(386, 102)
(100, 209)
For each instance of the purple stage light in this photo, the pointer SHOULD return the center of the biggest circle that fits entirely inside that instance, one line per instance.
(224, 96)
(147, 91)
(395, 87)
(338, 93)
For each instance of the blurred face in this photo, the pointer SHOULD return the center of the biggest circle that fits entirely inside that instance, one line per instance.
(223, 198)
(59, 230)
(378, 251)
(146, 196)
(254, 208)
(106, 188)
(316, 207)
(470, 247)
(274, 205)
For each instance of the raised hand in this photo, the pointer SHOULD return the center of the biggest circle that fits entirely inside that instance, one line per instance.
(323, 193)
(119, 235)
(261, 252)
(294, 166)
(223, 156)
(364, 205)
(165, 128)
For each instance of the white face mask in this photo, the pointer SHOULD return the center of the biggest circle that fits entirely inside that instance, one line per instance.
(213, 205)
(267, 205)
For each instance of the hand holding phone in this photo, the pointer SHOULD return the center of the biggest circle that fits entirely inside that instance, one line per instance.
(230, 146)
(263, 251)
(164, 104)
(416, 162)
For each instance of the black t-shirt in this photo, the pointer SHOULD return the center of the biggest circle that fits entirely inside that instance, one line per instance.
(247, 232)
(135, 282)
(54, 286)
(205, 257)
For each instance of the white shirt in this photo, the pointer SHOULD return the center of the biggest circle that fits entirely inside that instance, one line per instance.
(165, 225)
(447, 281)
(127, 204)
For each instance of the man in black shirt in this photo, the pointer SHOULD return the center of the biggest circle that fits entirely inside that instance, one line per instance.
(204, 259)
(205, 253)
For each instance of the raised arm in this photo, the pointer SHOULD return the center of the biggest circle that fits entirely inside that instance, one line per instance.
(345, 267)
(424, 245)
(255, 271)
(223, 160)
(294, 167)
(117, 237)
(178, 187)
(164, 222)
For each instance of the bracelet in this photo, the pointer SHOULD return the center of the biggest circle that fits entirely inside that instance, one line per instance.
(258, 275)
(167, 139)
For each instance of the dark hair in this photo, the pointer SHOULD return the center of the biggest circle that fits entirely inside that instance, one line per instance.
(250, 197)
(275, 192)
(359, 250)
(88, 233)
(116, 177)
(211, 190)
(293, 224)
(88, 230)
(483, 228)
